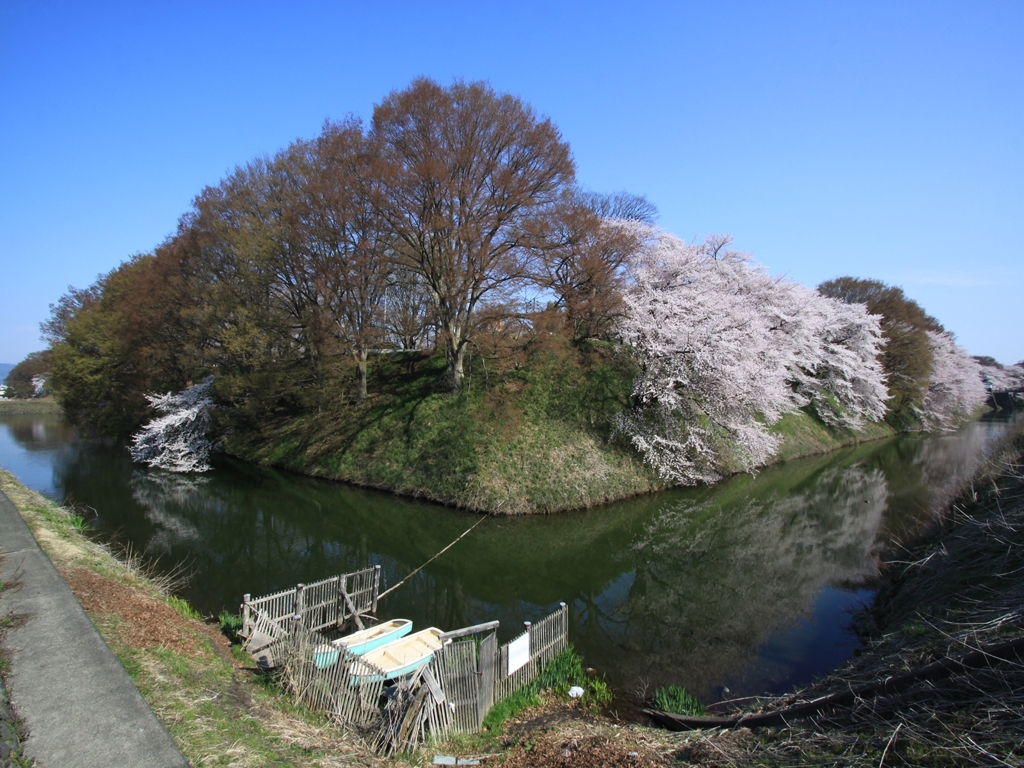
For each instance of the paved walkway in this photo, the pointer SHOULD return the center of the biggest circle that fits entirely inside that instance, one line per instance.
(79, 705)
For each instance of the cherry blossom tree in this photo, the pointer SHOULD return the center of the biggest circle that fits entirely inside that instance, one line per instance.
(955, 386)
(842, 374)
(726, 350)
(177, 441)
(998, 377)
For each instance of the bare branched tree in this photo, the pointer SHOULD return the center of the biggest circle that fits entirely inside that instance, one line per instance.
(460, 175)
(347, 246)
(584, 254)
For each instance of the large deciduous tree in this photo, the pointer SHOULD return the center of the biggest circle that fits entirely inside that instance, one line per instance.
(460, 176)
(133, 331)
(29, 377)
(109, 348)
(584, 254)
(998, 377)
(348, 249)
(907, 356)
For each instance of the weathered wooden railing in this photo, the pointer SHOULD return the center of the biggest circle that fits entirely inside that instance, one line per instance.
(324, 604)
(328, 679)
(473, 676)
(520, 661)
(452, 694)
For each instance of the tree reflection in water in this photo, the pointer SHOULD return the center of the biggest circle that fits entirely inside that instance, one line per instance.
(714, 579)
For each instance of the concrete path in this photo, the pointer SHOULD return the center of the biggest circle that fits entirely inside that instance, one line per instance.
(79, 705)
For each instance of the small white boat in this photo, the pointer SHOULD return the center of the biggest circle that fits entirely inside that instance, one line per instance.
(400, 657)
(362, 641)
(374, 637)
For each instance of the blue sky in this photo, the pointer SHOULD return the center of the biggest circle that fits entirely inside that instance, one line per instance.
(881, 140)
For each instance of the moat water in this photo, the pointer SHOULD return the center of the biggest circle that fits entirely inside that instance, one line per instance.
(744, 588)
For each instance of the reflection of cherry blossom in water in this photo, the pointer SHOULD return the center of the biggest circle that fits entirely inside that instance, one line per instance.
(947, 462)
(162, 496)
(713, 580)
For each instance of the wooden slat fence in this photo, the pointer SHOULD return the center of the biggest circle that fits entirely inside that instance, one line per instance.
(547, 637)
(473, 677)
(264, 633)
(452, 694)
(455, 667)
(439, 711)
(325, 604)
(275, 607)
(348, 690)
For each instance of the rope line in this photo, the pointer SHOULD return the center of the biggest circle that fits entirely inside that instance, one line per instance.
(392, 589)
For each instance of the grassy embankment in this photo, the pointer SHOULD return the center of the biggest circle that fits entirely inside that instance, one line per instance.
(536, 439)
(207, 694)
(36, 405)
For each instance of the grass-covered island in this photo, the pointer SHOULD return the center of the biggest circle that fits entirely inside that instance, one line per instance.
(431, 304)
(534, 439)
(33, 405)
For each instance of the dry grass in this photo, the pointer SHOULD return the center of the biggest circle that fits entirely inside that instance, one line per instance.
(166, 582)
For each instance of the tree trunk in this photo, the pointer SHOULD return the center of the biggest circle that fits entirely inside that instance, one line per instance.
(454, 354)
(361, 364)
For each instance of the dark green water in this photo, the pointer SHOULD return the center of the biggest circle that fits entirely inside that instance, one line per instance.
(739, 589)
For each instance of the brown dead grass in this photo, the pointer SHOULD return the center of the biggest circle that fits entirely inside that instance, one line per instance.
(146, 621)
(556, 751)
(562, 733)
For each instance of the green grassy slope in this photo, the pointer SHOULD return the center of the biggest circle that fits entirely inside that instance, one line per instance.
(533, 439)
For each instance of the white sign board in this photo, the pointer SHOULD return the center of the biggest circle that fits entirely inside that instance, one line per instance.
(519, 653)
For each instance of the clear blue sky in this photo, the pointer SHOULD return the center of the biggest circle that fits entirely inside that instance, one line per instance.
(876, 139)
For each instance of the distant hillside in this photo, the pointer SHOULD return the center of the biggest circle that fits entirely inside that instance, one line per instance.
(5, 368)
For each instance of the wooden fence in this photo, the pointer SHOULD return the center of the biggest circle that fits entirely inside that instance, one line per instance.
(546, 638)
(473, 676)
(452, 694)
(328, 679)
(463, 680)
(326, 604)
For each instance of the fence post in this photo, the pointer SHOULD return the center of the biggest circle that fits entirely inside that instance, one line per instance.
(339, 609)
(486, 677)
(376, 588)
(293, 665)
(246, 631)
(298, 602)
(529, 634)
